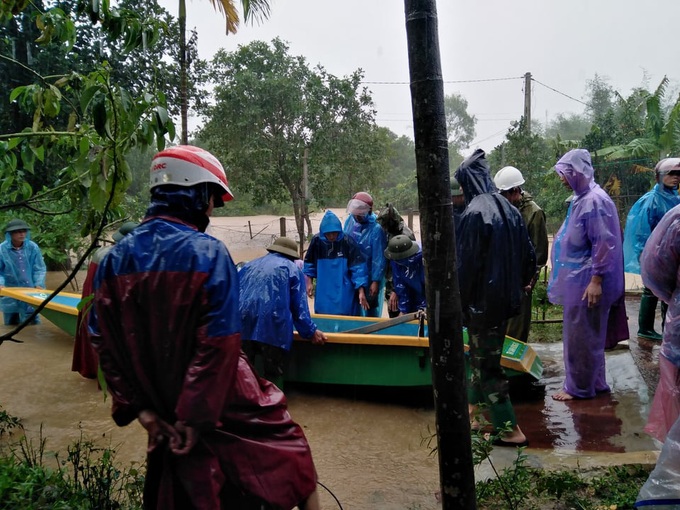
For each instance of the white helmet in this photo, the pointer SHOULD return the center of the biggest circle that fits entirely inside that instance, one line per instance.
(667, 165)
(186, 165)
(507, 178)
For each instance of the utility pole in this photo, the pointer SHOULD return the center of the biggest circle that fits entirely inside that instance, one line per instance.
(444, 316)
(527, 102)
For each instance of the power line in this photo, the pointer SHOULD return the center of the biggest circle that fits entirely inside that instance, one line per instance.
(562, 93)
(445, 81)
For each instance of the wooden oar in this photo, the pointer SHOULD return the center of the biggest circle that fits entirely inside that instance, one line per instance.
(377, 326)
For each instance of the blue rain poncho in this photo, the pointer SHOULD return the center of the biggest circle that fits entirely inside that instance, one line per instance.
(372, 240)
(495, 257)
(643, 217)
(273, 301)
(589, 241)
(408, 276)
(339, 268)
(11, 274)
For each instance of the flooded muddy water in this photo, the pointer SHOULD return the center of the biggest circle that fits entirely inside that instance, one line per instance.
(367, 445)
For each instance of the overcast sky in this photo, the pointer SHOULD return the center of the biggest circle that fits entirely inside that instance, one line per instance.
(563, 44)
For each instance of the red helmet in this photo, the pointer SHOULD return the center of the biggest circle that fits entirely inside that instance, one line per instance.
(364, 197)
(186, 165)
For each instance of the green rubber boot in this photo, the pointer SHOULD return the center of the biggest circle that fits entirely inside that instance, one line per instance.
(646, 317)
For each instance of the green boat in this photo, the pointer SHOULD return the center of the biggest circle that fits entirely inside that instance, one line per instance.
(360, 350)
(383, 352)
(61, 310)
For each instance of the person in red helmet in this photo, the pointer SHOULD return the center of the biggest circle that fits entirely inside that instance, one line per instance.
(166, 325)
(363, 227)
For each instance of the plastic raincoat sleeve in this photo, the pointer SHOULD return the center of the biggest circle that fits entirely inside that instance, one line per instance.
(660, 259)
(357, 267)
(635, 236)
(379, 262)
(211, 374)
(39, 267)
(603, 241)
(538, 233)
(302, 319)
(471, 248)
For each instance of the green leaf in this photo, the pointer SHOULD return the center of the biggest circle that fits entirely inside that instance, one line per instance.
(27, 158)
(39, 152)
(17, 92)
(99, 117)
(88, 94)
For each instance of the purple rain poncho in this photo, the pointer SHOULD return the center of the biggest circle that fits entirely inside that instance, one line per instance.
(660, 269)
(588, 243)
(660, 264)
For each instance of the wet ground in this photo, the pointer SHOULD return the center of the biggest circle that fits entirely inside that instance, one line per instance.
(367, 445)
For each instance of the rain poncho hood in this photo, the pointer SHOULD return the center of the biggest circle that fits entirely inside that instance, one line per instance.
(166, 325)
(330, 223)
(660, 269)
(273, 301)
(495, 256)
(474, 177)
(589, 241)
(577, 168)
(408, 277)
(642, 218)
(339, 268)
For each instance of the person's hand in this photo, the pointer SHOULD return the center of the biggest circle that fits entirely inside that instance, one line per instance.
(319, 337)
(393, 302)
(187, 439)
(157, 429)
(373, 289)
(362, 299)
(310, 286)
(593, 292)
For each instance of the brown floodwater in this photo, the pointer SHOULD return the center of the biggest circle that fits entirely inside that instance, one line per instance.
(368, 445)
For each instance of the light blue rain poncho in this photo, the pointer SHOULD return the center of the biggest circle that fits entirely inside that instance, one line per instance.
(339, 269)
(273, 301)
(372, 239)
(643, 217)
(12, 275)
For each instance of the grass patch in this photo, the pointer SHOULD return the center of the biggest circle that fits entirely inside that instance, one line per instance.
(88, 478)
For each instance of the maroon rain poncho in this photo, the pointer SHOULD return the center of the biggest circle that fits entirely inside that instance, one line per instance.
(167, 329)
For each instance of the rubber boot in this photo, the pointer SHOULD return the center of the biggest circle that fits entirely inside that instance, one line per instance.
(646, 317)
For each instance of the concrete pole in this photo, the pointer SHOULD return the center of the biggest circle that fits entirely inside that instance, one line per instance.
(527, 102)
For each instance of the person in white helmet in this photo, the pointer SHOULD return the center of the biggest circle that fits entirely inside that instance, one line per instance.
(642, 219)
(509, 181)
(166, 325)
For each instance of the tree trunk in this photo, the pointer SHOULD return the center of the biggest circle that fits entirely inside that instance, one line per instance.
(444, 317)
(183, 72)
